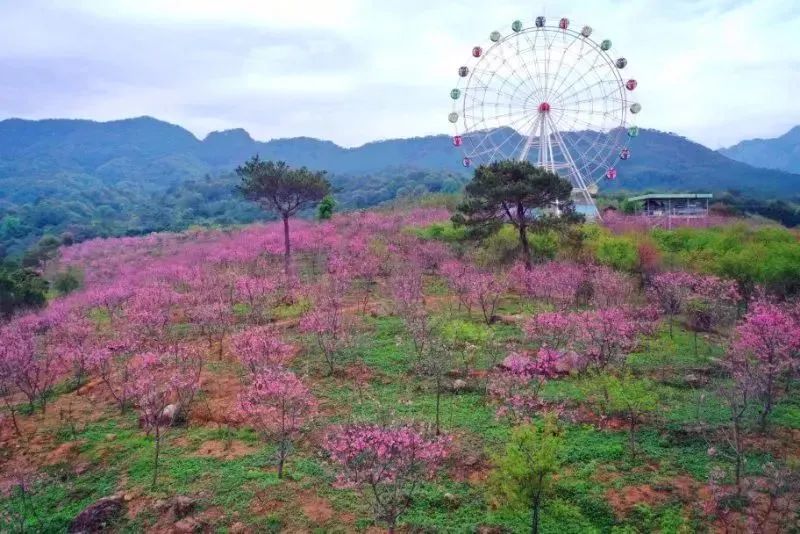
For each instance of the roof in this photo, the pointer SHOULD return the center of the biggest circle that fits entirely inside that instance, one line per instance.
(670, 196)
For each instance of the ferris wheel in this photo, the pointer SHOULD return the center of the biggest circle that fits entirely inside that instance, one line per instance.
(550, 95)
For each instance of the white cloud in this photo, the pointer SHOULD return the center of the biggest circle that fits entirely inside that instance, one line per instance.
(357, 70)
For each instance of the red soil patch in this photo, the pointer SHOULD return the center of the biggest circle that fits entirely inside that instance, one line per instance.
(315, 508)
(224, 450)
(622, 501)
(66, 452)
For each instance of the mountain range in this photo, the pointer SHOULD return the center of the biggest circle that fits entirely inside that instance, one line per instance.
(142, 174)
(782, 153)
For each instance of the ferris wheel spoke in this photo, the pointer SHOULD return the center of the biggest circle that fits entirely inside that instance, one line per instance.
(591, 68)
(561, 62)
(488, 136)
(510, 154)
(533, 49)
(596, 93)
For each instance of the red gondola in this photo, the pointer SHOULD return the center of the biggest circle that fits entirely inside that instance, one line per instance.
(477, 51)
(457, 140)
(563, 23)
(631, 84)
(611, 174)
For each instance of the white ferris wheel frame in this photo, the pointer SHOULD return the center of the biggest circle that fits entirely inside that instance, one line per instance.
(555, 122)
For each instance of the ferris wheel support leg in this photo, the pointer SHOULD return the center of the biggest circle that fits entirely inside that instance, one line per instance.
(529, 143)
(579, 181)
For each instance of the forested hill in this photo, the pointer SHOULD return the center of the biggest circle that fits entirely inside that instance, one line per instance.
(135, 175)
(781, 153)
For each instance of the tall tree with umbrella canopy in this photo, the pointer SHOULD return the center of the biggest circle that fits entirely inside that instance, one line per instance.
(281, 189)
(515, 192)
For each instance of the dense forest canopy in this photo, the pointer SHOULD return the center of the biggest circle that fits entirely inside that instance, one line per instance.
(140, 175)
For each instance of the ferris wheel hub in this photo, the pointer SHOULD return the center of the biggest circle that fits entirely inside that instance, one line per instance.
(544, 107)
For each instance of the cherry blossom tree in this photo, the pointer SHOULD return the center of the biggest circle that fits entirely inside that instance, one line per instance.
(33, 366)
(765, 348)
(438, 360)
(157, 388)
(604, 336)
(765, 504)
(671, 292)
(516, 382)
(74, 341)
(7, 389)
(256, 292)
(260, 348)
(388, 462)
(555, 330)
(407, 292)
(329, 323)
(114, 364)
(487, 289)
(279, 405)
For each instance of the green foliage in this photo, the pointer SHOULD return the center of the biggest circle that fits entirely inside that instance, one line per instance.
(544, 245)
(278, 187)
(326, 207)
(67, 281)
(523, 472)
(500, 248)
(458, 332)
(617, 252)
(515, 192)
(20, 289)
(446, 232)
(627, 207)
(767, 255)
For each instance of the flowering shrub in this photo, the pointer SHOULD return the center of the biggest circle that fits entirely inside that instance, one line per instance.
(278, 405)
(390, 462)
(516, 382)
(260, 348)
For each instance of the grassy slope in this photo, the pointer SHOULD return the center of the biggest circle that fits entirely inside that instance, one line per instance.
(94, 451)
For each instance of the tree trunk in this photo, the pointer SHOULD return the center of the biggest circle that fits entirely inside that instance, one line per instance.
(738, 469)
(523, 236)
(287, 255)
(158, 450)
(535, 512)
(438, 397)
(632, 437)
(764, 418)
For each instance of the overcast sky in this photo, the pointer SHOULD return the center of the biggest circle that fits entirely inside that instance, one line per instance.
(353, 71)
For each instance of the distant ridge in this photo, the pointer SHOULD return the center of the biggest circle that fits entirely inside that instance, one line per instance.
(147, 149)
(782, 153)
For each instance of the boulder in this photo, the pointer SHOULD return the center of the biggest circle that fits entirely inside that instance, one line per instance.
(98, 516)
(182, 506)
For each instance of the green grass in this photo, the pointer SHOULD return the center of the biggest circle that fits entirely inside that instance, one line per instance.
(595, 460)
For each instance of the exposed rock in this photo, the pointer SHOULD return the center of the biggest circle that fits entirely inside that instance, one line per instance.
(168, 415)
(182, 506)
(98, 516)
(694, 380)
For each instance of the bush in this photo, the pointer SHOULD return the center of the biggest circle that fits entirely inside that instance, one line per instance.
(621, 253)
(66, 282)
